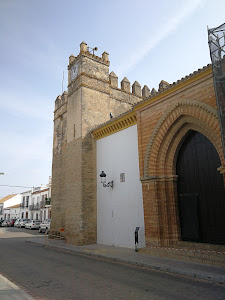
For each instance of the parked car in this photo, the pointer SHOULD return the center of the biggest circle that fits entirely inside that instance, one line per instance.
(5, 223)
(16, 223)
(23, 222)
(1, 221)
(45, 226)
(12, 222)
(33, 224)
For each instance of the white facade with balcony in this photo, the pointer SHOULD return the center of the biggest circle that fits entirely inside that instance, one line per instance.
(25, 200)
(40, 205)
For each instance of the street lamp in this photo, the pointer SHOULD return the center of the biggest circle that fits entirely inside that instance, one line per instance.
(103, 180)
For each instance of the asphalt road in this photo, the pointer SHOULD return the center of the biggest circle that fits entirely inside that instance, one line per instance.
(49, 274)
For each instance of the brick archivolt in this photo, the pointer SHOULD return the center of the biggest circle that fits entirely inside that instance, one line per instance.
(171, 130)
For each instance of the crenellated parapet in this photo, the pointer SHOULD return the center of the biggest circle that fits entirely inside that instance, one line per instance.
(84, 51)
(113, 79)
(153, 92)
(60, 105)
(163, 85)
(61, 100)
(136, 89)
(58, 102)
(125, 85)
(136, 93)
(145, 92)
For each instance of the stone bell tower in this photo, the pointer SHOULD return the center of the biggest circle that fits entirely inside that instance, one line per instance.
(87, 103)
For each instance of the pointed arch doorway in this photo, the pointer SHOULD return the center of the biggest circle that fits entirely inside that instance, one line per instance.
(201, 196)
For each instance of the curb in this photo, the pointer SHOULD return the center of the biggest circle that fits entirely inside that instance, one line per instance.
(135, 263)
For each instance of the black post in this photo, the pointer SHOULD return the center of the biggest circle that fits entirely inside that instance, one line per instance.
(136, 238)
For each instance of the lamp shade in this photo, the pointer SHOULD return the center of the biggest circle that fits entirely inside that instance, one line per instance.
(103, 177)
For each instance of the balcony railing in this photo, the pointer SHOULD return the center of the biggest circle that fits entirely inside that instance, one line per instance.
(48, 201)
(36, 206)
(31, 207)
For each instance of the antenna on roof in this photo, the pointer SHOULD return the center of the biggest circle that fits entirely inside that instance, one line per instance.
(92, 49)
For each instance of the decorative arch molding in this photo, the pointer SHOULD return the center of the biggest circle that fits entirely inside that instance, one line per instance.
(172, 127)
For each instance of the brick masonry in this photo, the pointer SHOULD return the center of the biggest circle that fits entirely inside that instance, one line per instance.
(162, 126)
(163, 121)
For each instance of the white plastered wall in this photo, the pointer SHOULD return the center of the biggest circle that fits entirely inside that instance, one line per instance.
(119, 210)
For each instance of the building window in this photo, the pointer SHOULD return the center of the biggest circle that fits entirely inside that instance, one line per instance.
(122, 177)
(27, 201)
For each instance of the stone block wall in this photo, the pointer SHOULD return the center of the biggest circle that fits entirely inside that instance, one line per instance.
(92, 96)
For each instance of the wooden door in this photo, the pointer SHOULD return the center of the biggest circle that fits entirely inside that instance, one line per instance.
(198, 177)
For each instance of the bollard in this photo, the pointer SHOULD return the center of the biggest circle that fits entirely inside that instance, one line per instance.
(136, 238)
(46, 238)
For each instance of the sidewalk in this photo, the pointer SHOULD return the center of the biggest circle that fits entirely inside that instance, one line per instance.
(10, 291)
(129, 256)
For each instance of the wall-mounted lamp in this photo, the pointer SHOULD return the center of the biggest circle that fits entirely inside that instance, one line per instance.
(103, 180)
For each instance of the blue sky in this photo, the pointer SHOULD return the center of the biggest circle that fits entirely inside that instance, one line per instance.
(147, 41)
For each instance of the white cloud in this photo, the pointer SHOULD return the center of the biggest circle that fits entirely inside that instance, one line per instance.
(159, 35)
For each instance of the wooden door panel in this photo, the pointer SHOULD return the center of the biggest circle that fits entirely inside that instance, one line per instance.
(197, 165)
(189, 217)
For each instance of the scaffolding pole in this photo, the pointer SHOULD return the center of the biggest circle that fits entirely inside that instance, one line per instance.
(216, 40)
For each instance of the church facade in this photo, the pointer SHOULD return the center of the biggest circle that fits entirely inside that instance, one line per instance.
(162, 151)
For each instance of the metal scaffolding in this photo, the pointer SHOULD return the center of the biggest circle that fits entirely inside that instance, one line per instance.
(216, 40)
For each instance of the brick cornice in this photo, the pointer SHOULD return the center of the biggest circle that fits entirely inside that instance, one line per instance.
(175, 87)
(116, 125)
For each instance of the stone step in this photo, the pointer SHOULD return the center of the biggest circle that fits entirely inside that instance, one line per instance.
(206, 255)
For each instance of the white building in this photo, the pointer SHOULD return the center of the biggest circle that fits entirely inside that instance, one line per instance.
(45, 204)
(6, 202)
(40, 204)
(11, 200)
(14, 211)
(25, 200)
(119, 209)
